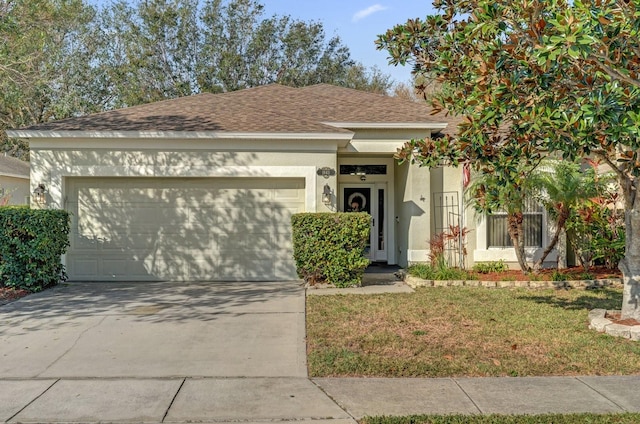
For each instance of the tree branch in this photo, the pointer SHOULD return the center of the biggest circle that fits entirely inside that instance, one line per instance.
(605, 65)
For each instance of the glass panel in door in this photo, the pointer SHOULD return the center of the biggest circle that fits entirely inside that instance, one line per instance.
(380, 223)
(357, 199)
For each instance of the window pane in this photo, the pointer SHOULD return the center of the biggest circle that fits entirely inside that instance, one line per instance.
(363, 169)
(380, 226)
(498, 235)
(532, 225)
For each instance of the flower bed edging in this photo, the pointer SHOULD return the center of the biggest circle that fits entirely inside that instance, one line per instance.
(415, 282)
(599, 322)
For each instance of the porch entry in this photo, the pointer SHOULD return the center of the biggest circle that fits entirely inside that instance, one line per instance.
(372, 199)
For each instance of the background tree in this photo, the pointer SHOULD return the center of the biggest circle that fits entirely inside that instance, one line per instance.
(61, 58)
(241, 49)
(45, 58)
(562, 76)
(149, 51)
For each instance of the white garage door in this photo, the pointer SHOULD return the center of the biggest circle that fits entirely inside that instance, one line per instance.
(193, 229)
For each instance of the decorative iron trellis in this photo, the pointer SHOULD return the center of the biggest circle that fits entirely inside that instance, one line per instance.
(448, 219)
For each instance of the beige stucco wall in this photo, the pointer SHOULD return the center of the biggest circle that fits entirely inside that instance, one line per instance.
(403, 220)
(413, 205)
(52, 166)
(17, 189)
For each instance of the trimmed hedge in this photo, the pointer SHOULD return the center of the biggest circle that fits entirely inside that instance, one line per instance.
(330, 247)
(31, 243)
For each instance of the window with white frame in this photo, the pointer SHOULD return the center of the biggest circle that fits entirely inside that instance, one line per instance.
(497, 227)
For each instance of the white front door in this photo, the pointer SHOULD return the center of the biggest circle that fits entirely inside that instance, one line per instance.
(372, 199)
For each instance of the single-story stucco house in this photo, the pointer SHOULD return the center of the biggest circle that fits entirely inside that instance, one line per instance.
(14, 181)
(203, 187)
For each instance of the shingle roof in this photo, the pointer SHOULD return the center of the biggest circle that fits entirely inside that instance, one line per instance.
(268, 109)
(451, 120)
(14, 167)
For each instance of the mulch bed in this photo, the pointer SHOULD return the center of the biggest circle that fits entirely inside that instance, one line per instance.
(615, 318)
(8, 294)
(573, 273)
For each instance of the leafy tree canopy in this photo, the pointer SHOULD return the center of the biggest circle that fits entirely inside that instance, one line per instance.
(534, 78)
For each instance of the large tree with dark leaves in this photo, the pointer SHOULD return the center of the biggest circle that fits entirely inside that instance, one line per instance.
(536, 78)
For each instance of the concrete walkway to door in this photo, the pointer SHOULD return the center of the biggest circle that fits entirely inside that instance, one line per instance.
(158, 352)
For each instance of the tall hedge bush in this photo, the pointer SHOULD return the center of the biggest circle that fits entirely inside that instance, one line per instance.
(31, 243)
(330, 247)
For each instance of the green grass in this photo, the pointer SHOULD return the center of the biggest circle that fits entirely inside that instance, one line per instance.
(627, 418)
(461, 331)
(428, 272)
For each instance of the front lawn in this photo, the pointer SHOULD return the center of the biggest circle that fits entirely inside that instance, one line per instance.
(462, 331)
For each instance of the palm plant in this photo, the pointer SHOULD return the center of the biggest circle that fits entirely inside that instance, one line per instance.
(560, 186)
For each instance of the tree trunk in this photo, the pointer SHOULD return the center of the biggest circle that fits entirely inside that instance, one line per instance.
(630, 267)
(562, 219)
(562, 250)
(630, 264)
(516, 233)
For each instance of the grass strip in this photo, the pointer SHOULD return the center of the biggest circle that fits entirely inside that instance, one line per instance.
(508, 419)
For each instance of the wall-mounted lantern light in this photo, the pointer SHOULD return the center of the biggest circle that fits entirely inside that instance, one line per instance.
(40, 194)
(326, 194)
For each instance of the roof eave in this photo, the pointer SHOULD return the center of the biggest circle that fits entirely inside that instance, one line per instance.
(390, 125)
(29, 134)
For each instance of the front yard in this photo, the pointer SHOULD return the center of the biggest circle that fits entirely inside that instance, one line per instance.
(461, 331)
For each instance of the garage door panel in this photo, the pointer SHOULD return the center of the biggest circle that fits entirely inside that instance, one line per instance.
(256, 268)
(285, 194)
(203, 270)
(173, 216)
(141, 240)
(83, 243)
(169, 269)
(83, 267)
(203, 217)
(261, 243)
(247, 214)
(284, 268)
(179, 229)
(115, 267)
(284, 214)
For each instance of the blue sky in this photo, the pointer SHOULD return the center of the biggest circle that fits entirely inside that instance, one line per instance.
(357, 22)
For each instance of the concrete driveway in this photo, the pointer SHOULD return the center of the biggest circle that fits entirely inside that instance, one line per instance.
(155, 330)
(158, 352)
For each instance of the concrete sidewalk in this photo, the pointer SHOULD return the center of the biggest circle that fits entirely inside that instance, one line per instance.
(324, 400)
(507, 395)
